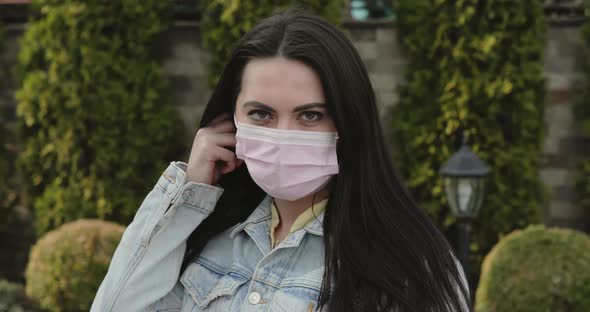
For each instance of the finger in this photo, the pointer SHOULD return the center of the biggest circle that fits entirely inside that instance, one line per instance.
(219, 118)
(227, 160)
(228, 167)
(224, 126)
(219, 153)
(237, 165)
(222, 139)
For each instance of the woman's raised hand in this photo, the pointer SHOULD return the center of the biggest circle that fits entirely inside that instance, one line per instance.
(209, 157)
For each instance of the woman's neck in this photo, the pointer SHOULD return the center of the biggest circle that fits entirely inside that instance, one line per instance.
(289, 210)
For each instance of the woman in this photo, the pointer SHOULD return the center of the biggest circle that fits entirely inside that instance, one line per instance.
(306, 215)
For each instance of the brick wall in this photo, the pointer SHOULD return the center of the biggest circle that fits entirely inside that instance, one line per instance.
(562, 144)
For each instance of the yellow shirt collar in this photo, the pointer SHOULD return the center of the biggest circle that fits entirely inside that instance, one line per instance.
(302, 220)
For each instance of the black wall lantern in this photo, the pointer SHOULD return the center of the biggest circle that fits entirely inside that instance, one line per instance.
(464, 183)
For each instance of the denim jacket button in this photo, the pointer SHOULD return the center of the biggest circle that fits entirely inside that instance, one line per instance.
(254, 298)
(187, 195)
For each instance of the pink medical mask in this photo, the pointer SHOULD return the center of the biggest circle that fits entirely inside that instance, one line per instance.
(287, 164)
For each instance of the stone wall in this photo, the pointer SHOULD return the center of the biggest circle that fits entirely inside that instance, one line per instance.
(185, 65)
(562, 144)
(376, 42)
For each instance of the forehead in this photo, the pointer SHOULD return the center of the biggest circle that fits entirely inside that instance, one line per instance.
(280, 81)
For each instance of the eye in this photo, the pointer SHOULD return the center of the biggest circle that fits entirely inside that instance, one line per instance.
(258, 114)
(311, 116)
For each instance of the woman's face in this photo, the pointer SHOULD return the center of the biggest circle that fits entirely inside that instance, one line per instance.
(282, 94)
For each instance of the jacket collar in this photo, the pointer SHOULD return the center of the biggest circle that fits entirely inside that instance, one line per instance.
(257, 225)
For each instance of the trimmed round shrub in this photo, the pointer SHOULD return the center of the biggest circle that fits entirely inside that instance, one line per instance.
(67, 265)
(536, 269)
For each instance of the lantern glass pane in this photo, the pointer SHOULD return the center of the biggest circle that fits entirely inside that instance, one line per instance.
(465, 190)
(464, 195)
(450, 184)
(480, 184)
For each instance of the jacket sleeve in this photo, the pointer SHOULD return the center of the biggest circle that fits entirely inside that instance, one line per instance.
(146, 263)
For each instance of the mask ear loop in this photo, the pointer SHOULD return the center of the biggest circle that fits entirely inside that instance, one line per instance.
(235, 122)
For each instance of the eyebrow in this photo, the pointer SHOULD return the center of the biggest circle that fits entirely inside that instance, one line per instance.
(257, 104)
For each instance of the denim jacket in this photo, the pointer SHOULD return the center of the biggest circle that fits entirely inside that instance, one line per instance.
(236, 271)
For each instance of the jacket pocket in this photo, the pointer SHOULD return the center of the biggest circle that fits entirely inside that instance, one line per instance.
(297, 295)
(209, 286)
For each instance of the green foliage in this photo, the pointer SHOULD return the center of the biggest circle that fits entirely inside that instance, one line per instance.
(96, 130)
(13, 298)
(473, 67)
(67, 265)
(537, 269)
(582, 110)
(16, 234)
(224, 22)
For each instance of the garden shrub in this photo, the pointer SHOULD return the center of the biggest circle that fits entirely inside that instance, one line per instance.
(13, 298)
(536, 269)
(473, 67)
(67, 265)
(224, 22)
(96, 129)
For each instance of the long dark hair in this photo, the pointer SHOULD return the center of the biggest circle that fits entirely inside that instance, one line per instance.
(381, 251)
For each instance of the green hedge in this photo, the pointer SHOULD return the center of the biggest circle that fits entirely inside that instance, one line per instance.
(224, 22)
(537, 269)
(97, 131)
(68, 264)
(475, 67)
(582, 110)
